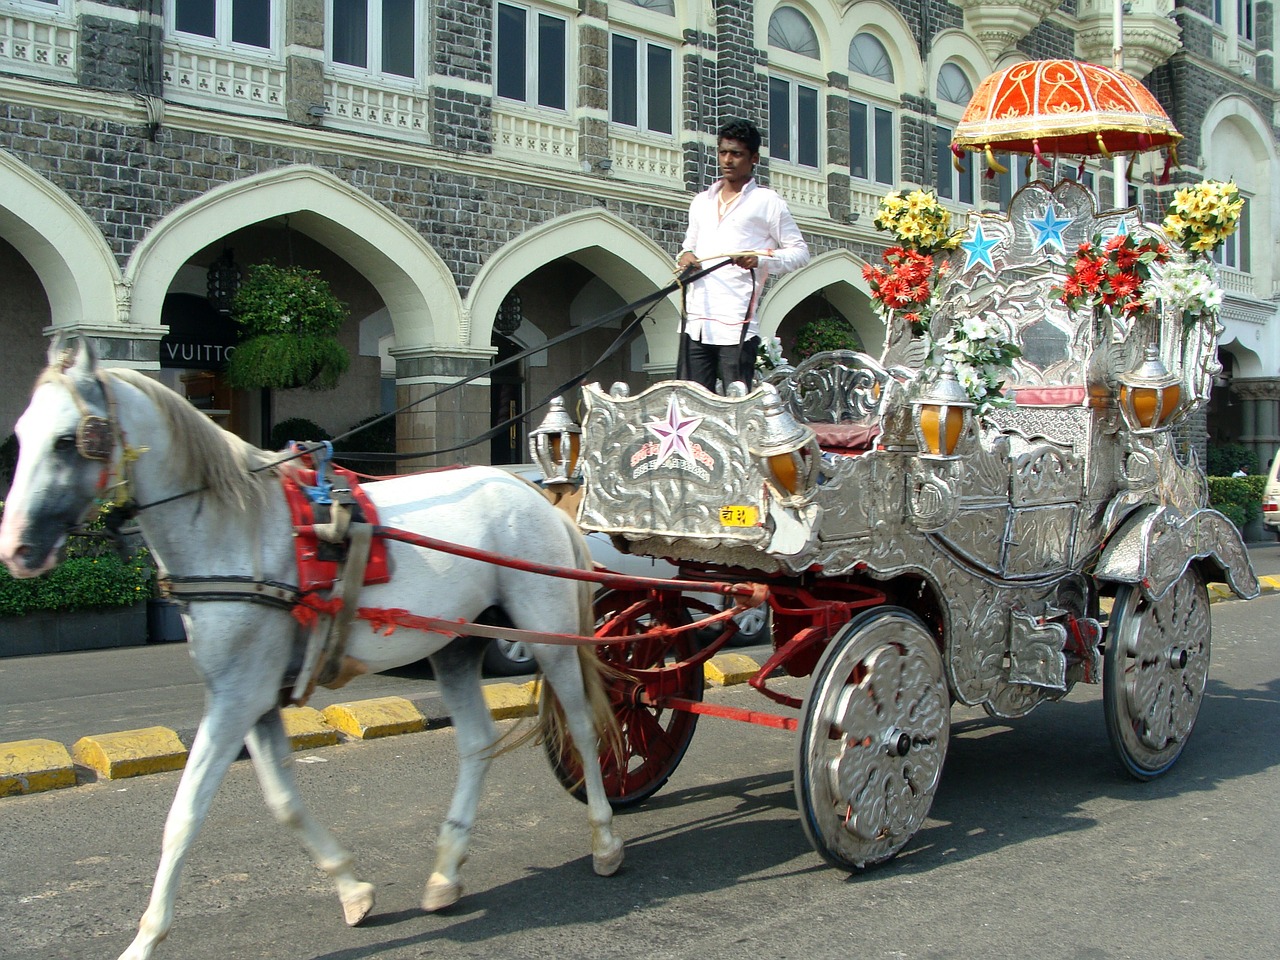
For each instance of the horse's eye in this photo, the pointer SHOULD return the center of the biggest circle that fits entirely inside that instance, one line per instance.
(65, 444)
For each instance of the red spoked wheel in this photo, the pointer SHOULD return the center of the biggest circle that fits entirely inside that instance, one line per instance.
(652, 738)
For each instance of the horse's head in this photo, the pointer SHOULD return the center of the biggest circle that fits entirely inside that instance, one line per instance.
(66, 453)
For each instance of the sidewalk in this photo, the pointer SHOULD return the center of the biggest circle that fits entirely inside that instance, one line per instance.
(58, 699)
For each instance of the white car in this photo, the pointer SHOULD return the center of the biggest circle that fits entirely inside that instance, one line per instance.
(508, 658)
(1271, 498)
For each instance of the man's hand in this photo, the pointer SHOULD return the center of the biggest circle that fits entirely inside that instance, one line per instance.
(747, 263)
(687, 260)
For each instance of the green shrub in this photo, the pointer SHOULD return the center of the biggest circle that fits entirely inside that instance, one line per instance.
(825, 333)
(1224, 458)
(1239, 499)
(379, 438)
(93, 575)
(296, 428)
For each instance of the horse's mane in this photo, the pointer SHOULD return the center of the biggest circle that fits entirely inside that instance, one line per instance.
(205, 456)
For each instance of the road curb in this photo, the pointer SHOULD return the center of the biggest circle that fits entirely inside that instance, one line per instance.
(131, 753)
(33, 766)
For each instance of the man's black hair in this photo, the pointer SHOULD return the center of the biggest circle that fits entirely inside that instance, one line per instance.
(743, 130)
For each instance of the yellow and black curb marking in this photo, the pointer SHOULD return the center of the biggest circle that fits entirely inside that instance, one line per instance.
(32, 766)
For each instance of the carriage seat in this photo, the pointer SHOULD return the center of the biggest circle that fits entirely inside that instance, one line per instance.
(848, 439)
(838, 394)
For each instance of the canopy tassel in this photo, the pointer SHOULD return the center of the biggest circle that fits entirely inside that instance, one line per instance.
(1128, 170)
(994, 166)
(1164, 174)
(1035, 150)
(957, 155)
(1103, 147)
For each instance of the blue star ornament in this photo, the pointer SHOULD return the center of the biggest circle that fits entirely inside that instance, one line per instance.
(978, 248)
(1049, 230)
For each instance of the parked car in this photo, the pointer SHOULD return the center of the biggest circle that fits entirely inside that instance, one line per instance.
(508, 658)
(1271, 498)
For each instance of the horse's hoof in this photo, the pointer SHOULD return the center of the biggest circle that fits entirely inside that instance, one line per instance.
(357, 904)
(607, 862)
(441, 892)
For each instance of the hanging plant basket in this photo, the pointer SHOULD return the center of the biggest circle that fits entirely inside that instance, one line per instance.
(288, 318)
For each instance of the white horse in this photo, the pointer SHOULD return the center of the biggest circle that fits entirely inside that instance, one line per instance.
(87, 430)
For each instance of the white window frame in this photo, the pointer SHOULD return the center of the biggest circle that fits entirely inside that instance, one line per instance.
(532, 64)
(1236, 252)
(642, 84)
(873, 142)
(793, 101)
(1246, 25)
(221, 39)
(970, 164)
(373, 45)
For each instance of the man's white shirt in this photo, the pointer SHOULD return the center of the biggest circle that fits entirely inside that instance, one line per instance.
(757, 221)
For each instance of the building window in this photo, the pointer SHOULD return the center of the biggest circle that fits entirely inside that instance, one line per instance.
(868, 57)
(659, 6)
(1234, 252)
(227, 23)
(531, 56)
(379, 36)
(1244, 19)
(953, 85)
(641, 84)
(790, 30)
(871, 125)
(793, 106)
(952, 184)
(953, 88)
(871, 142)
(793, 122)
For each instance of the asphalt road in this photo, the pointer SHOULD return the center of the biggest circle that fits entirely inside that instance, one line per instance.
(1037, 847)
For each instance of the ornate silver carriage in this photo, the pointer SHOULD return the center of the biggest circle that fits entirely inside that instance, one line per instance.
(1062, 539)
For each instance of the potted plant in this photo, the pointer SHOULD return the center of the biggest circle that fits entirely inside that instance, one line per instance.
(288, 318)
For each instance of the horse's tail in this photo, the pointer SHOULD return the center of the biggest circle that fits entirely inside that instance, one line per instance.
(595, 673)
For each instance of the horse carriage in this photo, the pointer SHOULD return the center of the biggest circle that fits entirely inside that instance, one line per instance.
(914, 554)
(912, 550)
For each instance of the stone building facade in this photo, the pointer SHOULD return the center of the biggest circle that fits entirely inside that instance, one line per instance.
(443, 162)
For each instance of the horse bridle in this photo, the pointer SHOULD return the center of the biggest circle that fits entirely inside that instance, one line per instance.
(98, 438)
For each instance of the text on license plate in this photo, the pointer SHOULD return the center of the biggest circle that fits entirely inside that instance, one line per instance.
(736, 516)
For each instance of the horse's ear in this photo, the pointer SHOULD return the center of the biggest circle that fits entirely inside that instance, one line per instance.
(77, 357)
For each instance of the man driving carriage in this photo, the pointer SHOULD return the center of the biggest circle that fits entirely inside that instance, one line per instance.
(751, 225)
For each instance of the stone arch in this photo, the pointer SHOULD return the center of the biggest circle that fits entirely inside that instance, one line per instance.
(839, 273)
(629, 262)
(65, 249)
(412, 280)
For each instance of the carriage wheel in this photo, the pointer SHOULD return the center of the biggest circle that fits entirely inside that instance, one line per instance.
(1157, 661)
(873, 737)
(653, 738)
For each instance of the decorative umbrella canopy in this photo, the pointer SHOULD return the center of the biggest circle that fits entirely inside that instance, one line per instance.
(1063, 107)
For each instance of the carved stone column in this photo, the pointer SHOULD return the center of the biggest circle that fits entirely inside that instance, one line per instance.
(1260, 398)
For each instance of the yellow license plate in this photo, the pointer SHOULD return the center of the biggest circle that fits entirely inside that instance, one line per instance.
(733, 516)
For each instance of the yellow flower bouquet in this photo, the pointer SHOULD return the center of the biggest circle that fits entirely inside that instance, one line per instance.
(1202, 217)
(918, 221)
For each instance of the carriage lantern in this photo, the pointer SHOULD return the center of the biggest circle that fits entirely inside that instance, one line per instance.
(548, 446)
(787, 449)
(1149, 394)
(942, 415)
